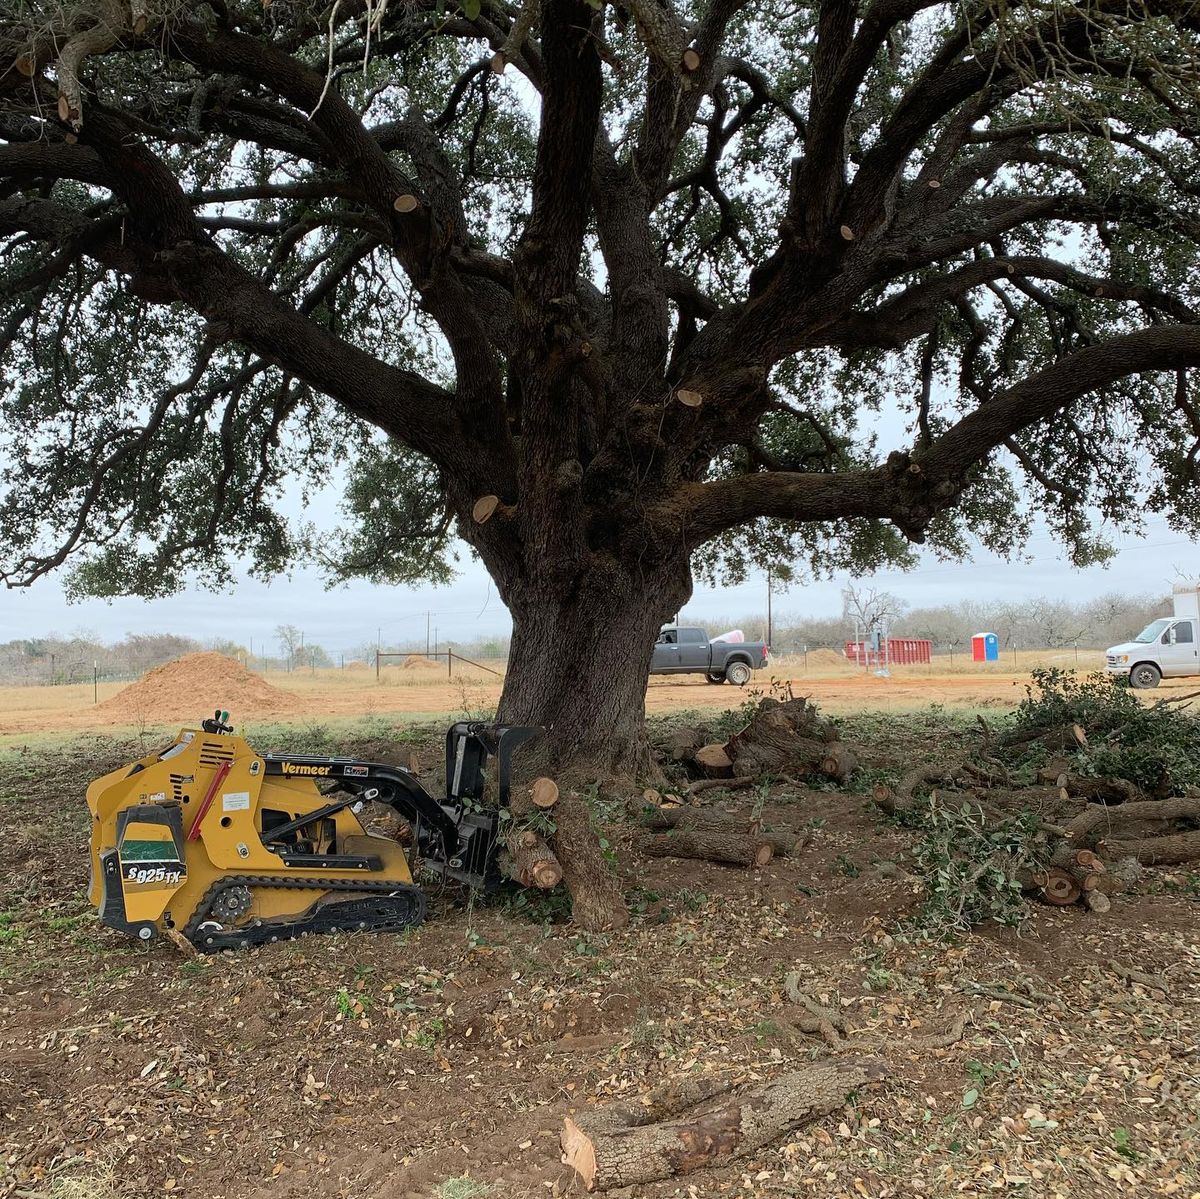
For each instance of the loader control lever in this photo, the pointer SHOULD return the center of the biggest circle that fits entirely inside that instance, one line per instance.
(217, 723)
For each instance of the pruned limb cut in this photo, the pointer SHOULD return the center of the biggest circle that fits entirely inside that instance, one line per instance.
(632, 1144)
(543, 793)
(488, 506)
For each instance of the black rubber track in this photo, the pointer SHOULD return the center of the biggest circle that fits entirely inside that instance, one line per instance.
(381, 908)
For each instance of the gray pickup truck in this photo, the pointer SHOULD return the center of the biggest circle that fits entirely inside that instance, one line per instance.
(682, 650)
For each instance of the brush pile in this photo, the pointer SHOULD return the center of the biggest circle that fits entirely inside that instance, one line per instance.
(1084, 789)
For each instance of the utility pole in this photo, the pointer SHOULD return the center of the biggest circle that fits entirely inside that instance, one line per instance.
(768, 606)
(435, 643)
(427, 614)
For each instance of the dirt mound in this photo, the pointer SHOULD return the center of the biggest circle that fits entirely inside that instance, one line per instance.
(826, 657)
(191, 687)
(419, 662)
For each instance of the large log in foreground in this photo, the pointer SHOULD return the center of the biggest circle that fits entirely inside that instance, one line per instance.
(632, 1143)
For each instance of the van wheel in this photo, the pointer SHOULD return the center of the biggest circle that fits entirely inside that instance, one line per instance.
(1145, 675)
(738, 673)
(715, 678)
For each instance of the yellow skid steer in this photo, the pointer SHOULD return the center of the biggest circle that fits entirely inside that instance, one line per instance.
(231, 848)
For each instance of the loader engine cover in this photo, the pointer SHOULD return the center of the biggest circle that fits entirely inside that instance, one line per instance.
(228, 848)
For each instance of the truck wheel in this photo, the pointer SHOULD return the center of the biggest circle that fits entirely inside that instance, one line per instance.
(738, 673)
(715, 678)
(1145, 675)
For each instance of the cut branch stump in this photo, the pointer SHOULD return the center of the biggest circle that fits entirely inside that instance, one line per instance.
(714, 761)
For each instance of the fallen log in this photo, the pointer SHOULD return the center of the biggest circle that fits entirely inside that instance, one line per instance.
(630, 1144)
(1080, 830)
(783, 844)
(1097, 901)
(694, 820)
(682, 743)
(751, 851)
(1170, 850)
(788, 737)
(1110, 791)
(721, 784)
(884, 798)
(838, 763)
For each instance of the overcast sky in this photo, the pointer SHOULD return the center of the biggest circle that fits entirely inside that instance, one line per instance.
(348, 618)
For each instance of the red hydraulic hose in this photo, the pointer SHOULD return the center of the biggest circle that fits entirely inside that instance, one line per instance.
(206, 802)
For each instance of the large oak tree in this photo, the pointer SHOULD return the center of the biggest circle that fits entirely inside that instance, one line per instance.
(645, 277)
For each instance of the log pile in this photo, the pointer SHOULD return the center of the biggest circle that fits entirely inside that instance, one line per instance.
(692, 1124)
(550, 839)
(784, 738)
(1092, 834)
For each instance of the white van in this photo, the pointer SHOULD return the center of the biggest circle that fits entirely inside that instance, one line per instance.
(1166, 648)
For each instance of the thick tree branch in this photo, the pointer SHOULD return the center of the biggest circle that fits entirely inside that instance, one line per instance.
(1058, 386)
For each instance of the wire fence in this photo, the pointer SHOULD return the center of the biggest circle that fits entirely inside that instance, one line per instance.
(805, 656)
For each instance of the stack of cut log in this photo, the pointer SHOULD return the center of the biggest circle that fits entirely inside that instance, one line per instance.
(526, 857)
(570, 854)
(784, 738)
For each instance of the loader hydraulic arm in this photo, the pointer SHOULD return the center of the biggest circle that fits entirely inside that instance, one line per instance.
(435, 828)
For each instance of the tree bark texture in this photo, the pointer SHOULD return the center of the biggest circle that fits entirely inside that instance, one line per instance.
(579, 661)
(751, 850)
(596, 899)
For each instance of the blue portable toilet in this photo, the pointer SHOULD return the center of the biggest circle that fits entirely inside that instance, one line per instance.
(985, 647)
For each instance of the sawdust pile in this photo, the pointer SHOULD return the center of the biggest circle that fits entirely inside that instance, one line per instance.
(189, 688)
(419, 662)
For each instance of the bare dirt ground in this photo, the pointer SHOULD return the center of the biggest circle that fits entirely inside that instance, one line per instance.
(426, 690)
(440, 1064)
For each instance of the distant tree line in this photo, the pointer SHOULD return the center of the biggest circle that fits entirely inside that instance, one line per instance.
(1034, 623)
(1037, 623)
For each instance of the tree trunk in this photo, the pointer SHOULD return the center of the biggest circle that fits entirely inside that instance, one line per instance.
(579, 662)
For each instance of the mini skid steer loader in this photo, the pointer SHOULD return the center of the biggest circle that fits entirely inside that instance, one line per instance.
(229, 848)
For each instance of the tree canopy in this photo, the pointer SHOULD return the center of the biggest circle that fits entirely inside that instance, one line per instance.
(647, 272)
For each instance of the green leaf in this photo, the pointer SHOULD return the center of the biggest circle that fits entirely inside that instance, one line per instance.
(471, 8)
(970, 1097)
